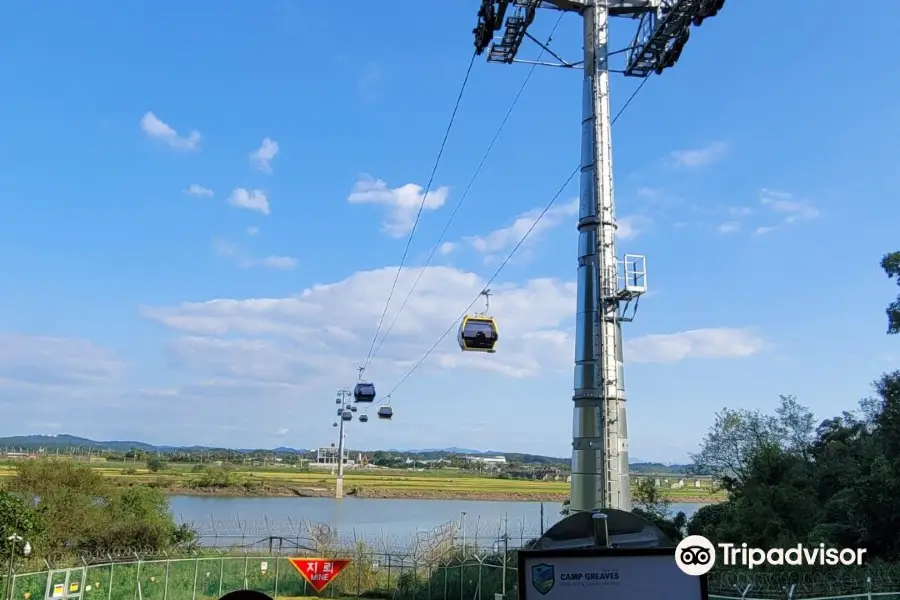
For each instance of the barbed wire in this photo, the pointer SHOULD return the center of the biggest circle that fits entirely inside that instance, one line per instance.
(444, 557)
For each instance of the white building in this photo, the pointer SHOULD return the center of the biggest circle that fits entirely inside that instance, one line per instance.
(487, 460)
(327, 458)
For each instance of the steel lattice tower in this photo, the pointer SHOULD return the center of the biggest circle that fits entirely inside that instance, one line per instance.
(608, 288)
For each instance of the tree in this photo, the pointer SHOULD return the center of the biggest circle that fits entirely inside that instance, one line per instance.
(838, 484)
(79, 510)
(738, 435)
(17, 517)
(891, 265)
(156, 464)
(651, 503)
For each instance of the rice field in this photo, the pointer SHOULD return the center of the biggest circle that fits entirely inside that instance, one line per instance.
(381, 483)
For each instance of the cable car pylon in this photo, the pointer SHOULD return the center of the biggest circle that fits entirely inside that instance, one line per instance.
(606, 286)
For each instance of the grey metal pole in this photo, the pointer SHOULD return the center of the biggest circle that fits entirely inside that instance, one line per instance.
(599, 437)
(339, 484)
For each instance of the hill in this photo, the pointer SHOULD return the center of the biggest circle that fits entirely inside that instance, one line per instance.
(66, 443)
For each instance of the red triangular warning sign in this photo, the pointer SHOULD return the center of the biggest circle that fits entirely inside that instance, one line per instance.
(319, 572)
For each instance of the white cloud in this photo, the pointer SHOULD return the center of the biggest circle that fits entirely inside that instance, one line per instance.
(232, 252)
(729, 227)
(278, 262)
(699, 157)
(321, 333)
(279, 354)
(697, 343)
(42, 378)
(630, 226)
(158, 130)
(262, 157)
(250, 200)
(740, 211)
(30, 360)
(252, 230)
(785, 203)
(651, 193)
(199, 191)
(403, 202)
(506, 238)
(787, 207)
(446, 248)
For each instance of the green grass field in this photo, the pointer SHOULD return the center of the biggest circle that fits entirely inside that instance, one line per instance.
(381, 483)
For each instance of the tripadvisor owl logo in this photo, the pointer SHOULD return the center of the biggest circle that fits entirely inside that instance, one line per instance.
(696, 555)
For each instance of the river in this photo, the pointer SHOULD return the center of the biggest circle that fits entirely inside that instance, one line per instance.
(226, 521)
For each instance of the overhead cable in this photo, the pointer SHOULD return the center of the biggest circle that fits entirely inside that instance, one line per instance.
(508, 257)
(465, 193)
(412, 231)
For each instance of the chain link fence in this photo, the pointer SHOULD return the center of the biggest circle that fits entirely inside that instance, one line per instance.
(450, 562)
(205, 576)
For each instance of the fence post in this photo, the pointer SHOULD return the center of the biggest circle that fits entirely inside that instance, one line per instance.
(196, 573)
(166, 586)
(506, 551)
(84, 571)
(868, 588)
(221, 574)
(277, 564)
(246, 564)
(137, 587)
(112, 572)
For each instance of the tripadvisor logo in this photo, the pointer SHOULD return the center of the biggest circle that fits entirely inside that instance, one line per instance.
(696, 555)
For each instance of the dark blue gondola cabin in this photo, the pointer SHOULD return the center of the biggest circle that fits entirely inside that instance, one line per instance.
(385, 412)
(364, 392)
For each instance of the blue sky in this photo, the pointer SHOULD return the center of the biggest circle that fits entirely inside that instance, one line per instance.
(202, 210)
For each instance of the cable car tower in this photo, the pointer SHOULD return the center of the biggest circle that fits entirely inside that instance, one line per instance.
(608, 289)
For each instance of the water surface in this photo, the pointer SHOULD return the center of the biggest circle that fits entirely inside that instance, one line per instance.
(247, 520)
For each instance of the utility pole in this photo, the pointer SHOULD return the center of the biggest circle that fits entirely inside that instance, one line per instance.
(608, 289)
(341, 399)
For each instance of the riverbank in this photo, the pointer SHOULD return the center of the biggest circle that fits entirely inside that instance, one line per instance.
(436, 494)
(382, 484)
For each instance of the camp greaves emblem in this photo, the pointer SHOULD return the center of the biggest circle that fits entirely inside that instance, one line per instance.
(543, 577)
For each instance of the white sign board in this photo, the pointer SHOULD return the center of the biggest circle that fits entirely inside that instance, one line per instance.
(648, 574)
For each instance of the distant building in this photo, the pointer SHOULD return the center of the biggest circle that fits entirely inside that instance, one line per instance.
(327, 458)
(487, 460)
(20, 455)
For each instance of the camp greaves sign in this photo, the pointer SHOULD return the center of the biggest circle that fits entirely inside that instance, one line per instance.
(606, 574)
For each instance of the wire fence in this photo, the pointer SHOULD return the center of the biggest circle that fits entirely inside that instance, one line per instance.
(475, 534)
(206, 576)
(449, 562)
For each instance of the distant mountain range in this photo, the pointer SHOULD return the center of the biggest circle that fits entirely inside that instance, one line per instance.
(66, 442)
